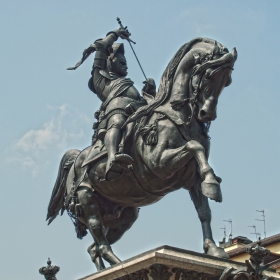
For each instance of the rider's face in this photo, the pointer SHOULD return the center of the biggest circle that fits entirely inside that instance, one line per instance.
(119, 65)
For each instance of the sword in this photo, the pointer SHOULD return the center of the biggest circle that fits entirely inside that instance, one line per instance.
(129, 41)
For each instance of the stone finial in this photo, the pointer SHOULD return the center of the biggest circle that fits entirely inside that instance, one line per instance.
(257, 253)
(255, 267)
(49, 271)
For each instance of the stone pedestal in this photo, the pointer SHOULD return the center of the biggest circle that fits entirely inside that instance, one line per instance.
(169, 263)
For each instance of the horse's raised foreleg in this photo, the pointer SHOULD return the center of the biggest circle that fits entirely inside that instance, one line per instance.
(204, 213)
(90, 212)
(210, 186)
(165, 162)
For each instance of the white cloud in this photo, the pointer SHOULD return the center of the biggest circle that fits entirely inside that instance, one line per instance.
(51, 133)
(33, 149)
(35, 140)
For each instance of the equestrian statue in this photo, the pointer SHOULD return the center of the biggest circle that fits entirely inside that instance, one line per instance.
(144, 145)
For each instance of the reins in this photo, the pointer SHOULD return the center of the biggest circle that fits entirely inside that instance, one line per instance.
(193, 100)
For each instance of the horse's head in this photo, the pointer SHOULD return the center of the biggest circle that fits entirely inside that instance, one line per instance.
(196, 75)
(209, 77)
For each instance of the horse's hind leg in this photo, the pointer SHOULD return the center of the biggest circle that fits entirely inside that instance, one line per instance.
(119, 226)
(116, 229)
(95, 256)
(204, 213)
(94, 223)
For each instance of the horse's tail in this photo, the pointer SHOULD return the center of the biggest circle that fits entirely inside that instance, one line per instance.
(57, 199)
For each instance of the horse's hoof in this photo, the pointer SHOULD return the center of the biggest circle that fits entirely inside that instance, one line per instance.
(212, 190)
(211, 249)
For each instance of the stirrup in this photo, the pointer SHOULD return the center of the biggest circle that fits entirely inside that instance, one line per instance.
(121, 162)
(123, 158)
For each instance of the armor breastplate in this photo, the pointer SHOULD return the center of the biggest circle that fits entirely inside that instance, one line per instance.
(132, 93)
(118, 103)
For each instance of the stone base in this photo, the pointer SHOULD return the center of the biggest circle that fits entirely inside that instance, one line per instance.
(169, 263)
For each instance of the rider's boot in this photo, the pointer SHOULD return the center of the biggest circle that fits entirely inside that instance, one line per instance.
(116, 161)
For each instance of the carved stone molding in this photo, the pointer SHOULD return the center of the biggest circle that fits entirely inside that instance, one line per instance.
(156, 272)
(138, 275)
(182, 274)
(160, 272)
(126, 277)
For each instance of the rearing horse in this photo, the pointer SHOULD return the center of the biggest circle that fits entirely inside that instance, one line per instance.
(169, 143)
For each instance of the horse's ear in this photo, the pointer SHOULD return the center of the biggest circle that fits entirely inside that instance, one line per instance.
(196, 58)
(234, 53)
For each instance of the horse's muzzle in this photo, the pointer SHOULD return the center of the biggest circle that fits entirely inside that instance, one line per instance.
(205, 116)
(208, 112)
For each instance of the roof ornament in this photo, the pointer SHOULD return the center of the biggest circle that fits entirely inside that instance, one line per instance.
(254, 267)
(49, 271)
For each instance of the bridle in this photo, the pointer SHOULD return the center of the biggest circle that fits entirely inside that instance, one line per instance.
(193, 100)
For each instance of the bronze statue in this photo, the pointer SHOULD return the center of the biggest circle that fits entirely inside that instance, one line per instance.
(144, 147)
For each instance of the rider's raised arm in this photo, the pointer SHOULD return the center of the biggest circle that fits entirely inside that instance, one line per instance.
(100, 63)
(100, 72)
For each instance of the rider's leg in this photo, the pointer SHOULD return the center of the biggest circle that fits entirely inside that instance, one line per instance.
(126, 134)
(204, 213)
(112, 140)
(94, 223)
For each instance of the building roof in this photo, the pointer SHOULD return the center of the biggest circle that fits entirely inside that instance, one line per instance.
(265, 242)
(275, 264)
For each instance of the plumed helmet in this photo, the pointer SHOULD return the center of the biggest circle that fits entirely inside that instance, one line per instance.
(118, 48)
(112, 64)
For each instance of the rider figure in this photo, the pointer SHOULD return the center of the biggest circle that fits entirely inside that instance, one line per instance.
(118, 95)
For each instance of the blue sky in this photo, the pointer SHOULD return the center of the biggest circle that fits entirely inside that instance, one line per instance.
(47, 110)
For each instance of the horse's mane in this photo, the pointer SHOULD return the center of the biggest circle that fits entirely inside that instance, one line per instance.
(166, 82)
